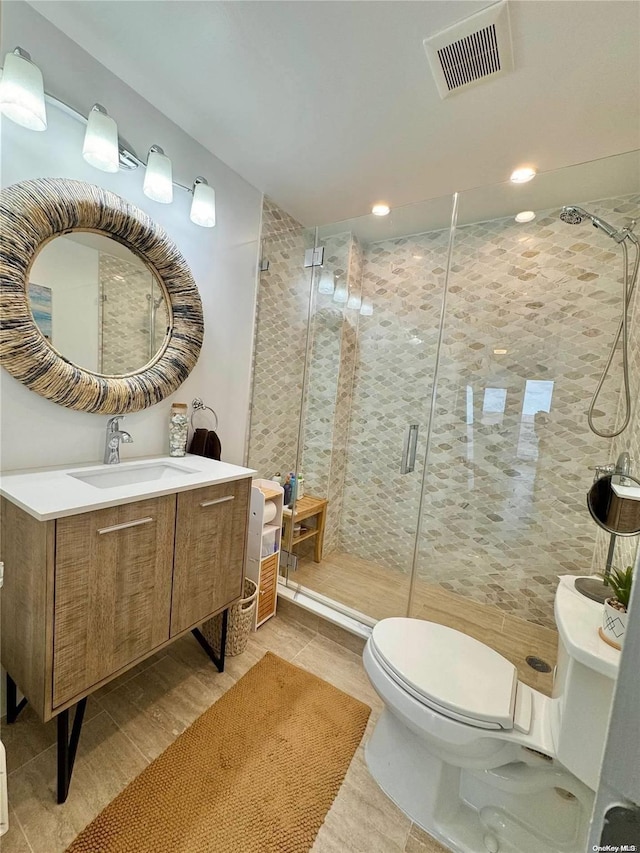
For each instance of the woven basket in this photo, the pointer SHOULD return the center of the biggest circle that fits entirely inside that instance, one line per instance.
(239, 625)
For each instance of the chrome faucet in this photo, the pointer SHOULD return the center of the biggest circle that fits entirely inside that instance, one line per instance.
(113, 438)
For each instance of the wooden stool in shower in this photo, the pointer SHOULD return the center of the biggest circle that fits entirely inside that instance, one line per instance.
(305, 508)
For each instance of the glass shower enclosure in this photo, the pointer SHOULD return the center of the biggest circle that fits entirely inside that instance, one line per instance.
(428, 373)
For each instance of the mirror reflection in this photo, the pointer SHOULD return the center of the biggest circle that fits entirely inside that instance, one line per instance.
(97, 303)
(614, 504)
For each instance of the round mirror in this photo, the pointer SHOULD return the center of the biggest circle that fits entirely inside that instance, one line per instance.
(614, 504)
(34, 216)
(98, 304)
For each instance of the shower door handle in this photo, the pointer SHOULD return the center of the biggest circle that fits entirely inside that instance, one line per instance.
(408, 463)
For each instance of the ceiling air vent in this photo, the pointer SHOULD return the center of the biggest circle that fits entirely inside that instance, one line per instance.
(471, 51)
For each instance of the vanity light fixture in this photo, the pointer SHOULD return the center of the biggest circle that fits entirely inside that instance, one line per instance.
(522, 175)
(203, 206)
(380, 208)
(23, 99)
(22, 91)
(326, 284)
(341, 294)
(355, 302)
(525, 216)
(366, 309)
(158, 178)
(100, 148)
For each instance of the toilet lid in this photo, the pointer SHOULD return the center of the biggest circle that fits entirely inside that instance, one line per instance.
(451, 671)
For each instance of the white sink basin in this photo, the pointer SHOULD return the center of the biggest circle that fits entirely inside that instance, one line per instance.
(129, 475)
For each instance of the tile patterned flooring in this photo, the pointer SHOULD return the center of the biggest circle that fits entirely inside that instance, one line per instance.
(130, 721)
(380, 592)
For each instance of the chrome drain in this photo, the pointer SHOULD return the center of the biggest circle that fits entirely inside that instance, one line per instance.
(538, 664)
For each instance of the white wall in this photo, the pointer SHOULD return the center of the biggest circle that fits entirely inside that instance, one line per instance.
(36, 432)
(72, 273)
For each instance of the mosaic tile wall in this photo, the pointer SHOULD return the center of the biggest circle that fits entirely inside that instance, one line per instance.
(392, 385)
(330, 380)
(280, 343)
(504, 508)
(346, 385)
(125, 315)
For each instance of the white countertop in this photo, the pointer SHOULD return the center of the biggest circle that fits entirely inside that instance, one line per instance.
(578, 619)
(49, 493)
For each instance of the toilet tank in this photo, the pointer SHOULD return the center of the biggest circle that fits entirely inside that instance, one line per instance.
(583, 685)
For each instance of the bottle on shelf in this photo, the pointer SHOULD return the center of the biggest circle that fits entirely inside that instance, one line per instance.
(178, 429)
(287, 490)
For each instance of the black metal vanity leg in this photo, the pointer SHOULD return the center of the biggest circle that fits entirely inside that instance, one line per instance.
(68, 746)
(217, 659)
(13, 706)
(223, 641)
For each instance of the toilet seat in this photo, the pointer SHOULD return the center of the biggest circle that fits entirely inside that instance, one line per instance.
(450, 672)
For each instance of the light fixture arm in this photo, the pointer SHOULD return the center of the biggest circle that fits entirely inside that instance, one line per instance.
(128, 158)
(24, 54)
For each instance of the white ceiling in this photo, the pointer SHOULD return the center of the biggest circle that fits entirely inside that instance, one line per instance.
(330, 106)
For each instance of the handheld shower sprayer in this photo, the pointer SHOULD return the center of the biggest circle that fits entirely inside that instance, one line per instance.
(574, 215)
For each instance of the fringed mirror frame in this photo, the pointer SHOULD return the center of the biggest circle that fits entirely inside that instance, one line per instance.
(34, 212)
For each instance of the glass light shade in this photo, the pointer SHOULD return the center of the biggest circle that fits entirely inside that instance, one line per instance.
(354, 302)
(158, 177)
(100, 147)
(525, 216)
(341, 294)
(22, 92)
(327, 284)
(203, 206)
(367, 308)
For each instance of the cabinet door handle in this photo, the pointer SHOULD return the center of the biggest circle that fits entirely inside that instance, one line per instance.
(217, 501)
(124, 525)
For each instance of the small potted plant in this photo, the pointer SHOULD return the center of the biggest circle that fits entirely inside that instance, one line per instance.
(614, 617)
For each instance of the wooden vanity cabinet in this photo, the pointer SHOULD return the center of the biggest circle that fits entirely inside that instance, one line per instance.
(112, 600)
(88, 596)
(211, 531)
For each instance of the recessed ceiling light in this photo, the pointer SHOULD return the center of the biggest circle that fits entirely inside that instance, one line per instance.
(500, 351)
(381, 208)
(525, 216)
(522, 175)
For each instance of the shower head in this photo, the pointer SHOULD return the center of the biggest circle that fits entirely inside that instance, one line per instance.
(574, 215)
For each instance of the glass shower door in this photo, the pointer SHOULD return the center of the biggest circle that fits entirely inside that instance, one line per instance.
(281, 336)
(376, 306)
(532, 308)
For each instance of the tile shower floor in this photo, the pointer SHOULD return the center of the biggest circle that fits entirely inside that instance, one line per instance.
(132, 720)
(380, 592)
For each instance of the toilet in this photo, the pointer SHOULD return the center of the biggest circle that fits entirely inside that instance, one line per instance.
(477, 758)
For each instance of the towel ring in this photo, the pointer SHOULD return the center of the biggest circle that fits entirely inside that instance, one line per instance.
(199, 406)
